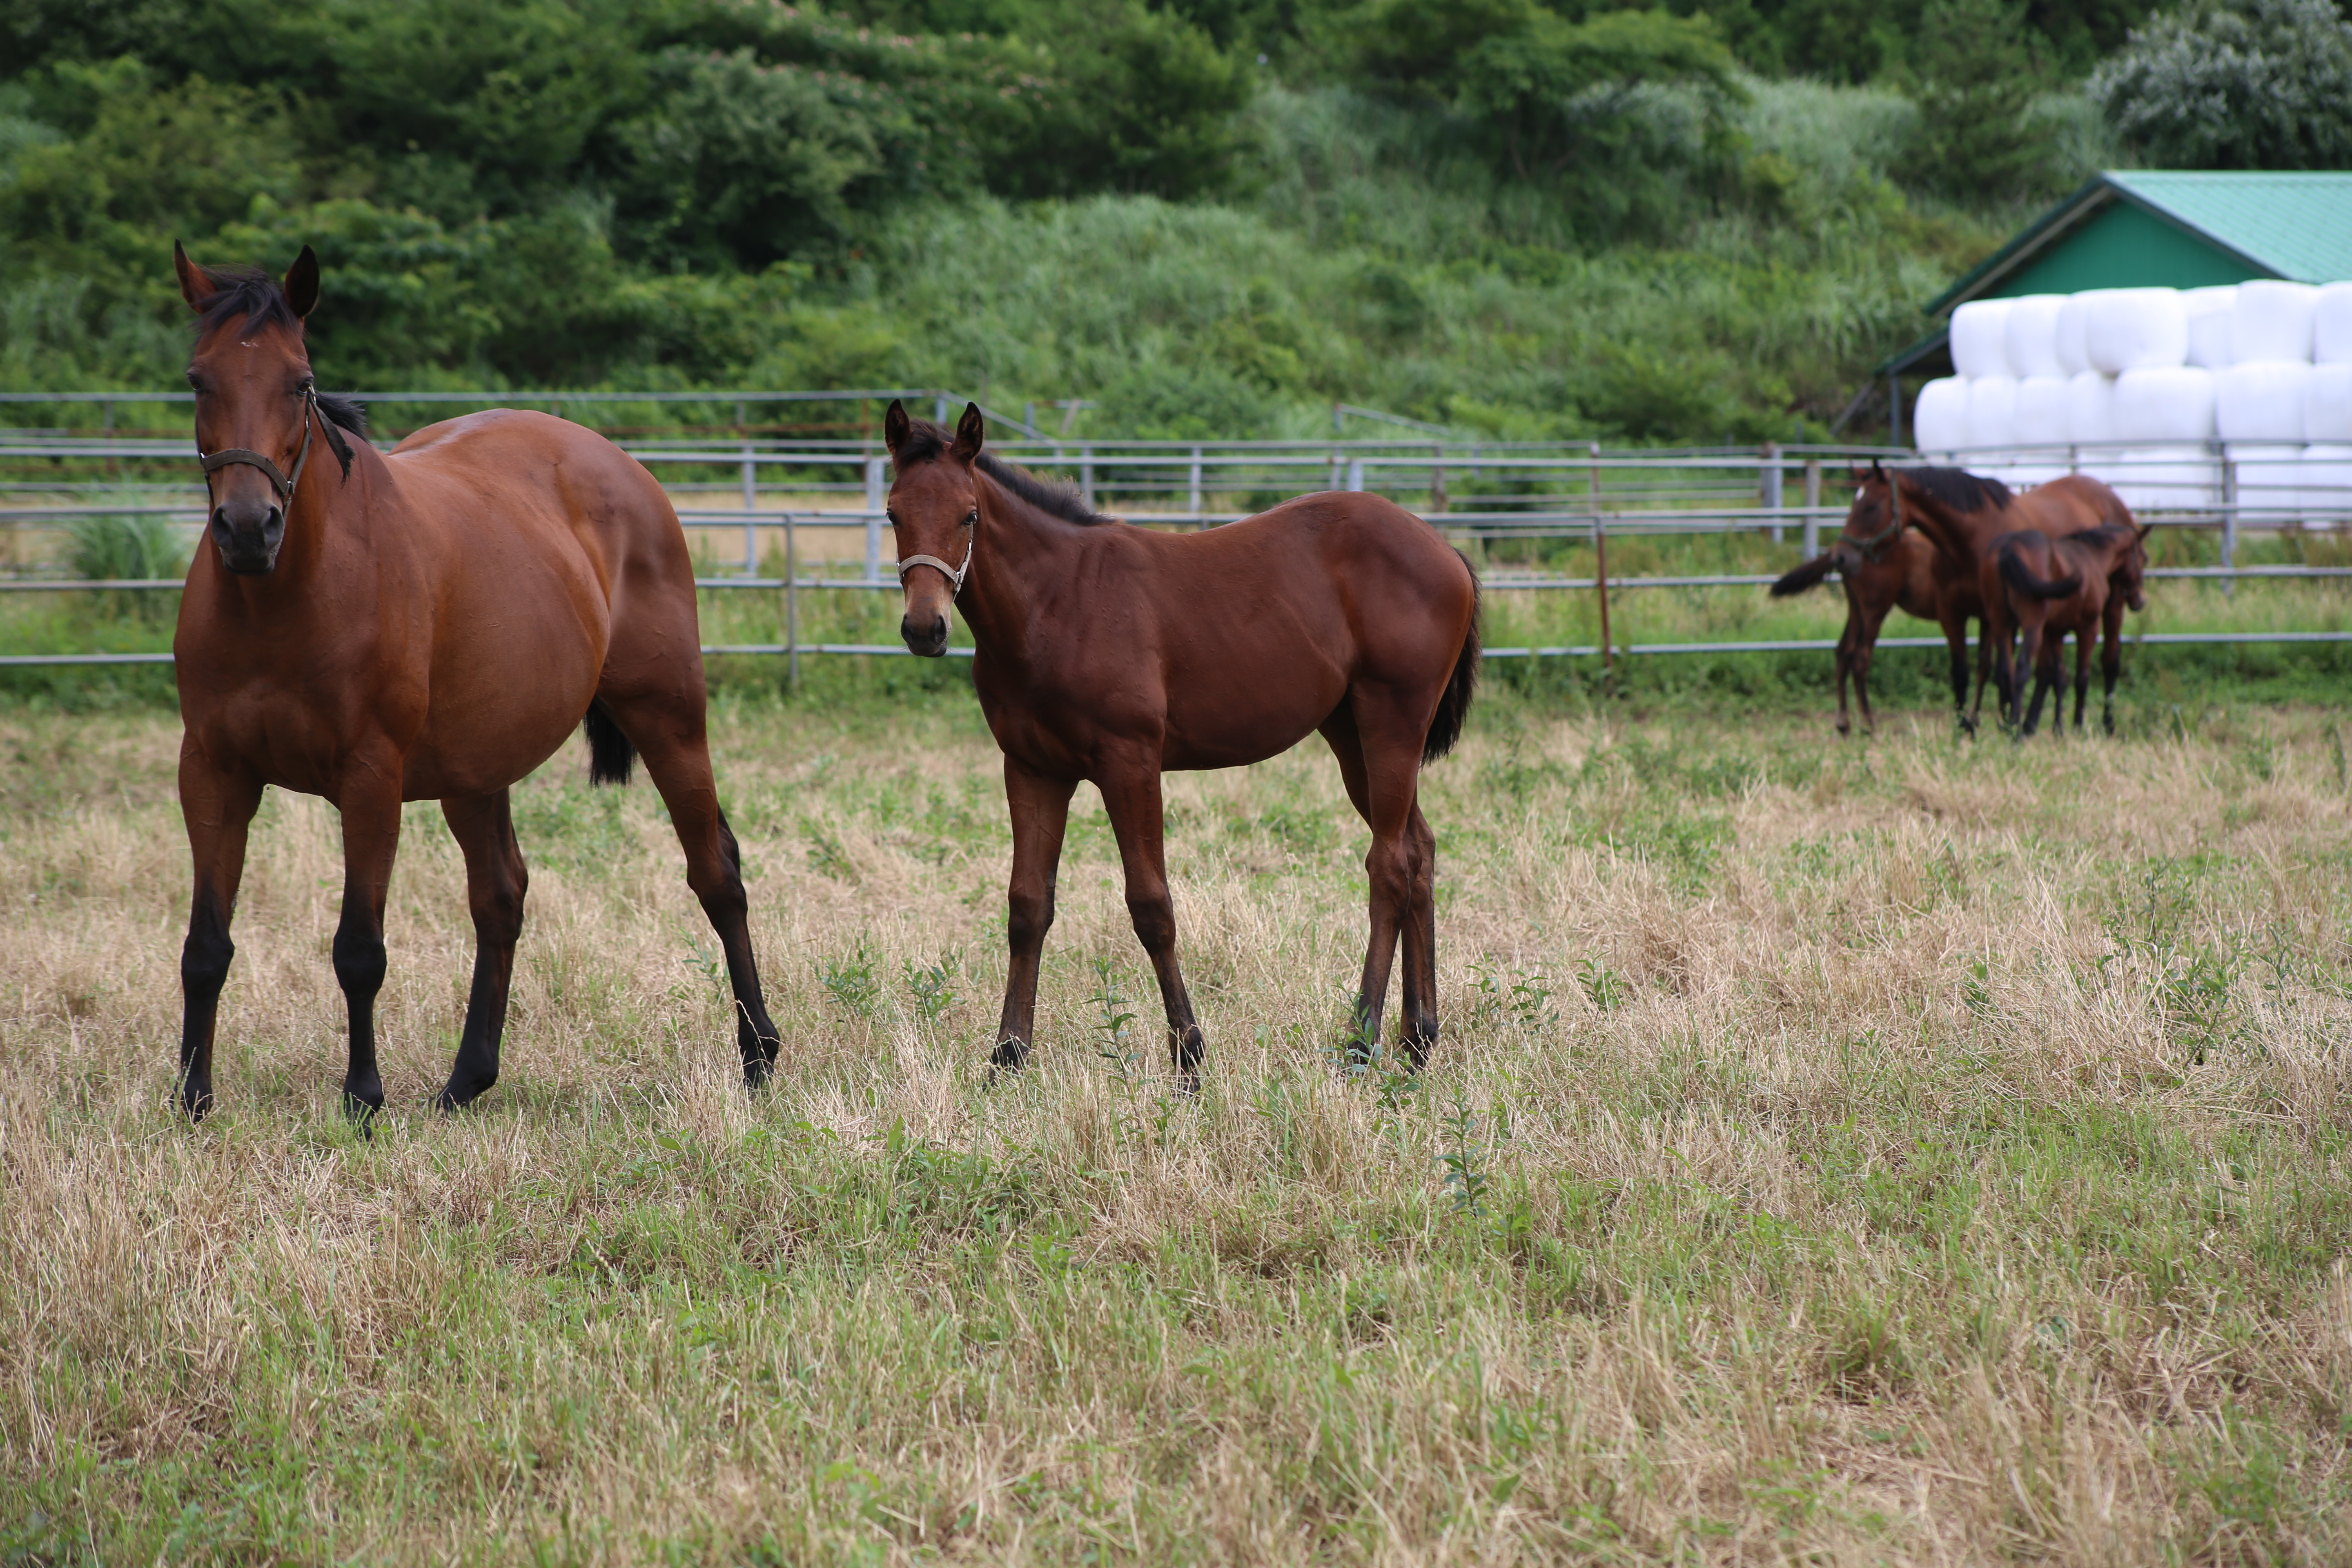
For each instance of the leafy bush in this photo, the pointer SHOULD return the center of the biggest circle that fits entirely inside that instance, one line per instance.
(2247, 84)
(1981, 134)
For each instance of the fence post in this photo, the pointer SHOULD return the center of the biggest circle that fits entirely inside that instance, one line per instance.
(1355, 473)
(874, 520)
(1087, 475)
(791, 606)
(1601, 562)
(1813, 506)
(939, 409)
(1437, 477)
(2229, 519)
(1195, 490)
(1772, 487)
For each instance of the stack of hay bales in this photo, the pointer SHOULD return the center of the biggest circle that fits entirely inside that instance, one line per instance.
(2151, 389)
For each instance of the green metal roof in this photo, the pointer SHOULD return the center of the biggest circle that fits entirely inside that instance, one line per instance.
(2178, 227)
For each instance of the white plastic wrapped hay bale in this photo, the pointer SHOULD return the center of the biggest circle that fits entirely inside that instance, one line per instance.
(2166, 414)
(2028, 335)
(2073, 320)
(2325, 490)
(1939, 420)
(2135, 328)
(1979, 337)
(2211, 313)
(1992, 417)
(2327, 404)
(2045, 425)
(2091, 410)
(2261, 400)
(2331, 325)
(2273, 321)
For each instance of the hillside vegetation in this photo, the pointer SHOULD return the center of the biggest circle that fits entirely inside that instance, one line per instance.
(1208, 216)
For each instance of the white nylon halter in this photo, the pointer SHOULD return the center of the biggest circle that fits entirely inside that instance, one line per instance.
(954, 574)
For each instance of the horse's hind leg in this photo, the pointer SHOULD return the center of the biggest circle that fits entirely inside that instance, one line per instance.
(666, 727)
(218, 808)
(495, 883)
(1040, 808)
(2082, 677)
(1380, 758)
(1130, 791)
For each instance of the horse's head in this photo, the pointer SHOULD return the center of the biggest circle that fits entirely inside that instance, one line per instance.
(2131, 576)
(1875, 518)
(254, 400)
(935, 512)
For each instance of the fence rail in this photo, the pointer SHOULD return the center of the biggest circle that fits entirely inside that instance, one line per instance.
(1482, 491)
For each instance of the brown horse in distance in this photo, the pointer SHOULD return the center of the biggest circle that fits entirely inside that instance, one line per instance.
(1963, 513)
(1883, 571)
(429, 624)
(1113, 654)
(2042, 589)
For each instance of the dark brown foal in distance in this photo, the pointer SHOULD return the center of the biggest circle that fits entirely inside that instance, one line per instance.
(2044, 589)
(1114, 654)
(1891, 570)
(427, 626)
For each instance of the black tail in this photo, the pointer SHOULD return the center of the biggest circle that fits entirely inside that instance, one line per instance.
(1445, 726)
(1811, 574)
(610, 754)
(2021, 578)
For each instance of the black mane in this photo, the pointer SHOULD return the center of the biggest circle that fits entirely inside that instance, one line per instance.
(1958, 489)
(261, 301)
(926, 440)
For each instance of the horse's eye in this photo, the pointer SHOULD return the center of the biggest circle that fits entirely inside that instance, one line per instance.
(971, 518)
(891, 512)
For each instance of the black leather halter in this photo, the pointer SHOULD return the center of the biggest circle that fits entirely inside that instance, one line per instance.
(1877, 543)
(281, 481)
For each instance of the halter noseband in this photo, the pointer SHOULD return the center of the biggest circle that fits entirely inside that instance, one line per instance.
(954, 574)
(1878, 541)
(282, 482)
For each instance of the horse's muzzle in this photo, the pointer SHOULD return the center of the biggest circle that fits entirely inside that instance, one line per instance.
(248, 537)
(925, 640)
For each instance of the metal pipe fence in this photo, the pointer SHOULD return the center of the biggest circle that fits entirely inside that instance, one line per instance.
(1575, 493)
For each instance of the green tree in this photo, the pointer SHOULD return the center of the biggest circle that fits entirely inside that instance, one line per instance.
(1979, 78)
(2258, 84)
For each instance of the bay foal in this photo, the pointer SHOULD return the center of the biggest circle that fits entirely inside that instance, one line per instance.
(1892, 569)
(1110, 653)
(2042, 590)
(427, 626)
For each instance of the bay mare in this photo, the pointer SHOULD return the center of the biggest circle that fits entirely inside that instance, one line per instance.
(1963, 514)
(1111, 653)
(429, 624)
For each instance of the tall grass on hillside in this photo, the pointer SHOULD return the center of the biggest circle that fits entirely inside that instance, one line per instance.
(1909, 1152)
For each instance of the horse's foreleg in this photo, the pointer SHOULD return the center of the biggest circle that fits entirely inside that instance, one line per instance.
(218, 807)
(1421, 939)
(495, 880)
(1845, 668)
(1040, 808)
(2082, 677)
(370, 802)
(1956, 642)
(2110, 664)
(1131, 795)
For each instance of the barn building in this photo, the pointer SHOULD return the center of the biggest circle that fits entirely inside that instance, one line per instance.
(2146, 228)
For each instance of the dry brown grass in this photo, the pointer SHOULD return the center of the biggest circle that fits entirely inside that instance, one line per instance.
(1904, 1152)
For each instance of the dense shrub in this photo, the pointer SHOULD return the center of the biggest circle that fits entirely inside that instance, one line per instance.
(2251, 84)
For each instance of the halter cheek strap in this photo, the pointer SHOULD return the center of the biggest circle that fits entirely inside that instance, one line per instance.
(1871, 546)
(954, 574)
(282, 482)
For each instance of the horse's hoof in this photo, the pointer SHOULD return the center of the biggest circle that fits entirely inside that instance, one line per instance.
(362, 1104)
(456, 1096)
(197, 1104)
(1010, 1056)
(758, 1073)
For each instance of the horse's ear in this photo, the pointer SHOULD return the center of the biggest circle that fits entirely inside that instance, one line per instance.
(895, 427)
(1877, 469)
(970, 432)
(2143, 530)
(302, 282)
(196, 283)
(1856, 473)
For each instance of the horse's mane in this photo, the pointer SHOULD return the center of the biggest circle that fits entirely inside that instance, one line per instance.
(261, 301)
(1958, 489)
(926, 440)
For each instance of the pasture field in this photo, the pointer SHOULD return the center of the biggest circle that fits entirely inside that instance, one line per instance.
(1911, 1152)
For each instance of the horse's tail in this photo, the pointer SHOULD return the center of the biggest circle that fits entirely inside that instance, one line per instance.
(1454, 706)
(2021, 578)
(610, 753)
(1811, 574)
